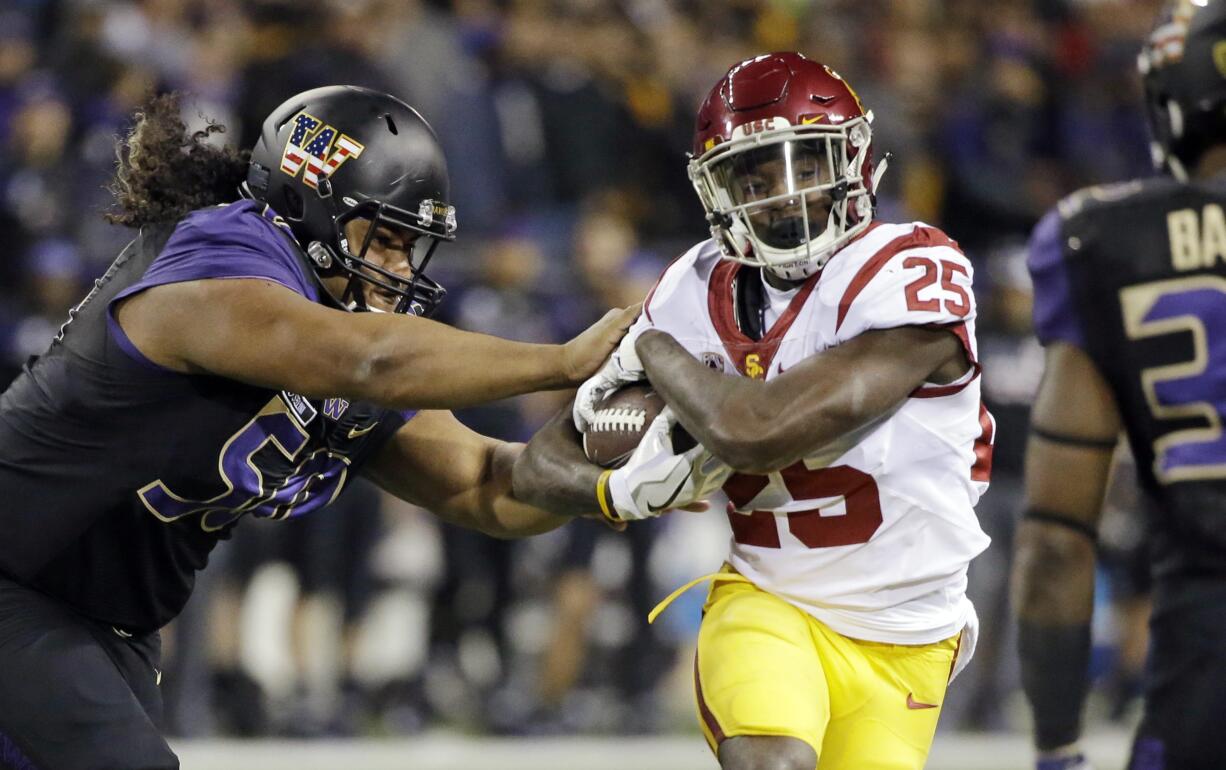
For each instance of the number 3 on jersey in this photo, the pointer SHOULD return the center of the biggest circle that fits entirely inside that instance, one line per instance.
(1185, 390)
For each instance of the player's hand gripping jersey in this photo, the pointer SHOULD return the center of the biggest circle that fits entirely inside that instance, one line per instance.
(872, 535)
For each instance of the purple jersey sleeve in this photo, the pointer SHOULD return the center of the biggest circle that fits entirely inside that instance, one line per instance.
(1055, 315)
(241, 240)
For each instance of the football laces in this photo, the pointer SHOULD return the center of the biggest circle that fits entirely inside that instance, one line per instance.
(619, 419)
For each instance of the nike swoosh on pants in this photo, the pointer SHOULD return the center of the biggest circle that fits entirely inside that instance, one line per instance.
(912, 703)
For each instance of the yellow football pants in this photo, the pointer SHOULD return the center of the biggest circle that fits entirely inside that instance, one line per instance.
(765, 667)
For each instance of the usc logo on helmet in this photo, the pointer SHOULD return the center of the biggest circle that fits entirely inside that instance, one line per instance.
(760, 125)
(319, 147)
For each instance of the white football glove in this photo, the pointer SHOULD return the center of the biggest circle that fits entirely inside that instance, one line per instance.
(622, 368)
(656, 479)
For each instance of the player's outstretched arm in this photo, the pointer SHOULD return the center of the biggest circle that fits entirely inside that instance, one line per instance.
(461, 476)
(1074, 428)
(759, 427)
(553, 471)
(258, 332)
(555, 474)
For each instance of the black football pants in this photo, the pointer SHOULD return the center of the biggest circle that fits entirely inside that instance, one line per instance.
(75, 694)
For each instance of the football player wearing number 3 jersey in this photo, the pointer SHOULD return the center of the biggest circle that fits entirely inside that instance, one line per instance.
(1130, 304)
(827, 362)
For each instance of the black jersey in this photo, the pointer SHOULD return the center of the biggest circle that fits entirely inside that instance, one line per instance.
(1135, 275)
(118, 477)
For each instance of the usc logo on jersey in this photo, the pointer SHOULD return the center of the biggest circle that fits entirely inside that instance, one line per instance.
(753, 366)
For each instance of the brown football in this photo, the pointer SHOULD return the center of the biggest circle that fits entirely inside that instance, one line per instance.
(621, 420)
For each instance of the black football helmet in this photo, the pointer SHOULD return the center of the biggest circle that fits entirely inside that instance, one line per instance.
(1183, 68)
(334, 154)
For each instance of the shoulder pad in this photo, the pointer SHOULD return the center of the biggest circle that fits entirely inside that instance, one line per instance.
(1109, 195)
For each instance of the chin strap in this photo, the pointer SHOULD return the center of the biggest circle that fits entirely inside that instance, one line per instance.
(1177, 168)
(1167, 162)
(880, 171)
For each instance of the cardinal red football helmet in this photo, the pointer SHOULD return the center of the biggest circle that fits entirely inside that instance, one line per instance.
(782, 163)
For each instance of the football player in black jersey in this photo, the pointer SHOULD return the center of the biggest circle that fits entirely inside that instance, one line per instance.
(218, 370)
(1130, 302)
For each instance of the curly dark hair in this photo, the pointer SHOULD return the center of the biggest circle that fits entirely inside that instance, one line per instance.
(164, 172)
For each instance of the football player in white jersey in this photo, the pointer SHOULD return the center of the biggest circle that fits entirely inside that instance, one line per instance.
(826, 365)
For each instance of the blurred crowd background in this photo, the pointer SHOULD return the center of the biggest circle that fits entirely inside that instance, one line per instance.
(566, 124)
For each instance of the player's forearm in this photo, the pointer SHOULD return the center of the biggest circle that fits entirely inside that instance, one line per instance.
(753, 426)
(433, 366)
(699, 395)
(762, 426)
(1053, 575)
(499, 512)
(1053, 572)
(554, 474)
(1053, 596)
(488, 504)
(256, 332)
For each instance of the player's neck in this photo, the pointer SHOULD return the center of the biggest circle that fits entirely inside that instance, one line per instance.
(1211, 163)
(780, 284)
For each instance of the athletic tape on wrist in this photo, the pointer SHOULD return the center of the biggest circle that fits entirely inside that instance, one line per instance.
(602, 491)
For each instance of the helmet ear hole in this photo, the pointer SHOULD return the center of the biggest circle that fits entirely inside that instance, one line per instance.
(257, 179)
(295, 207)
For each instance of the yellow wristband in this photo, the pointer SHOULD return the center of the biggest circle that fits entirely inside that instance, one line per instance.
(602, 485)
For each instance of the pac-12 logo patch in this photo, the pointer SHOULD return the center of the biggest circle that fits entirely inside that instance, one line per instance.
(317, 146)
(300, 407)
(713, 361)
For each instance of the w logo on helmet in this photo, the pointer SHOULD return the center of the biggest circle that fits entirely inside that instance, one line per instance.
(318, 146)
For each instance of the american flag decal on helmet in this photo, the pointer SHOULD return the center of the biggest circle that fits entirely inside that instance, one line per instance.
(317, 146)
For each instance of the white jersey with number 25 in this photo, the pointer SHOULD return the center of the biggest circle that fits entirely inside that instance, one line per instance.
(871, 535)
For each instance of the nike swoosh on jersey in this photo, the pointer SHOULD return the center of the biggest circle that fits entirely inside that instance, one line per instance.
(355, 431)
(657, 508)
(912, 703)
